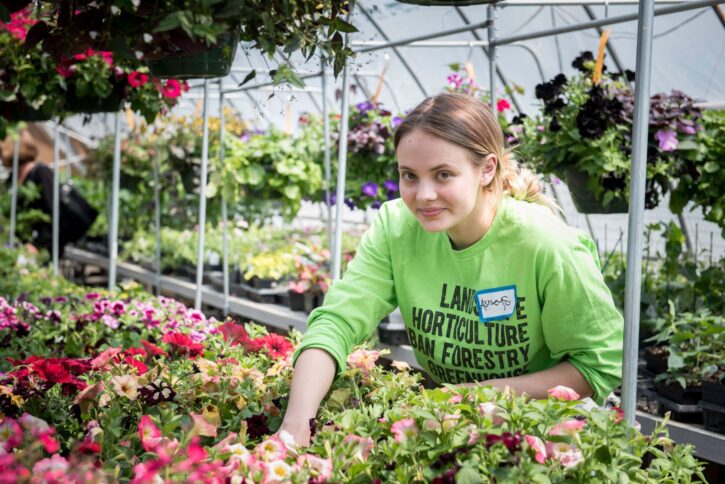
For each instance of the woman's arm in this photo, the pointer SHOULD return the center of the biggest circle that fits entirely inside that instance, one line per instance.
(536, 385)
(313, 375)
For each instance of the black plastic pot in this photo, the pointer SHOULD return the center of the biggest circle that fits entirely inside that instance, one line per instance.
(583, 197)
(313, 300)
(713, 417)
(685, 396)
(20, 111)
(296, 301)
(713, 393)
(214, 62)
(392, 333)
(260, 283)
(93, 104)
(656, 359)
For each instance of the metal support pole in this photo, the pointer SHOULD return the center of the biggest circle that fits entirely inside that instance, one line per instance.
(202, 197)
(341, 168)
(225, 233)
(633, 284)
(14, 191)
(115, 189)
(326, 134)
(56, 199)
(491, 11)
(157, 225)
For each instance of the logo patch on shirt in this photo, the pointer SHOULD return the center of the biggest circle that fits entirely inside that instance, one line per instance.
(497, 303)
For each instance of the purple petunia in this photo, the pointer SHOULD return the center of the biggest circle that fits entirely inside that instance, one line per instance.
(667, 139)
(391, 185)
(395, 122)
(370, 189)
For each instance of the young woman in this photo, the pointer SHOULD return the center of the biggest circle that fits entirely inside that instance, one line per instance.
(494, 288)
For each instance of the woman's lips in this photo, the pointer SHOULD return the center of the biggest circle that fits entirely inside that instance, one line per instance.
(430, 212)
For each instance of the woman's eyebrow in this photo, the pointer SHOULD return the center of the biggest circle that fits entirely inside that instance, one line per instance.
(437, 167)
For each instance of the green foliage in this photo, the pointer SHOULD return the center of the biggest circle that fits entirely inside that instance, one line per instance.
(701, 177)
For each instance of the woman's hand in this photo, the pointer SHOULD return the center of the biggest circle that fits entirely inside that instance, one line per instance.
(313, 375)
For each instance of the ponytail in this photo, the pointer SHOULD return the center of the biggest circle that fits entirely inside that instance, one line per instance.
(520, 183)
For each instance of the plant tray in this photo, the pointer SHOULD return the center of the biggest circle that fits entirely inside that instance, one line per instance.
(296, 301)
(216, 279)
(679, 412)
(684, 396)
(713, 417)
(713, 393)
(267, 296)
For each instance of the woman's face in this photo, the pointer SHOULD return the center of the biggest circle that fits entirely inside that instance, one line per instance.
(441, 185)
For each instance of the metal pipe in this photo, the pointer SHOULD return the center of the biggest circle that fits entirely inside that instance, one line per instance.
(225, 234)
(633, 284)
(341, 168)
(679, 7)
(405, 64)
(14, 191)
(56, 200)
(498, 69)
(202, 197)
(491, 11)
(157, 224)
(115, 189)
(682, 7)
(326, 134)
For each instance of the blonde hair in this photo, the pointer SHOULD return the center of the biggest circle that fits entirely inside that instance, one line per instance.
(471, 124)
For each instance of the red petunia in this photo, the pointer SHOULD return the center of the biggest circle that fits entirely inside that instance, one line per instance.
(137, 79)
(172, 89)
(138, 364)
(503, 105)
(234, 333)
(276, 346)
(183, 345)
(152, 349)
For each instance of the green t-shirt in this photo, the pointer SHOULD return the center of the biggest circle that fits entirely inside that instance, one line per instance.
(526, 296)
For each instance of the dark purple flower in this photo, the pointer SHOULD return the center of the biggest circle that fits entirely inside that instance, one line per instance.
(667, 139)
(365, 106)
(391, 185)
(370, 189)
(376, 204)
(350, 203)
(61, 299)
(257, 426)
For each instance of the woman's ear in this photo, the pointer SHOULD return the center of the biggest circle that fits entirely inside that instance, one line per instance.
(488, 169)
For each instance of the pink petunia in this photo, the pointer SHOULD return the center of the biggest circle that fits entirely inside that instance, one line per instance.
(568, 427)
(320, 468)
(537, 445)
(404, 429)
(363, 360)
(561, 392)
(149, 433)
(202, 426)
(567, 455)
(363, 446)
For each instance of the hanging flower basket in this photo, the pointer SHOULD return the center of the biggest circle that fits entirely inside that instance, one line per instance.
(14, 111)
(584, 198)
(94, 104)
(449, 3)
(215, 62)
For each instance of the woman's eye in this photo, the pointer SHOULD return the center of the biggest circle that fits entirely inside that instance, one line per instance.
(443, 175)
(408, 176)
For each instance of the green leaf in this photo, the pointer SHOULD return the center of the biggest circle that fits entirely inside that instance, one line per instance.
(455, 66)
(285, 74)
(292, 192)
(248, 77)
(468, 475)
(602, 454)
(342, 26)
(675, 361)
(711, 167)
(170, 22)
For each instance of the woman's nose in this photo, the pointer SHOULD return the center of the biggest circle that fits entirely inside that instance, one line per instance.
(426, 191)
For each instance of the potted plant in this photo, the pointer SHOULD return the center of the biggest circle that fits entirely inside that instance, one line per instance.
(701, 175)
(30, 87)
(583, 135)
(311, 281)
(197, 38)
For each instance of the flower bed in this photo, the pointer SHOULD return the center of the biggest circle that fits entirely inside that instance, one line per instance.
(108, 387)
